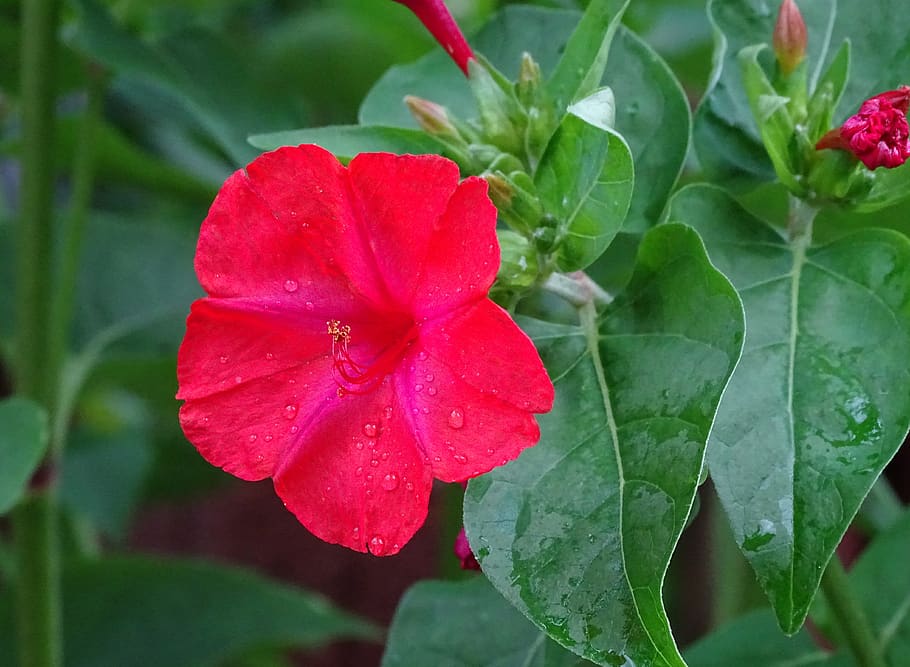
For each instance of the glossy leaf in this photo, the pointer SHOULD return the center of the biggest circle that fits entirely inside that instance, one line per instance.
(464, 624)
(811, 416)
(581, 67)
(726, 137)
(133, 612)
(578, 532)
(23, 441)
(652, 113)
(345, 141)
(756, 641)
(585, 181)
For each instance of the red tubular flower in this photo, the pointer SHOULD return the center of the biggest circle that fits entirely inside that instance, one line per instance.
(437, 19)
(878, 134)
(347, 348)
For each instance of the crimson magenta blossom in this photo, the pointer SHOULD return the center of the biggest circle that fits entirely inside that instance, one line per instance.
(436, 17)
(878, 133)
(347, 348)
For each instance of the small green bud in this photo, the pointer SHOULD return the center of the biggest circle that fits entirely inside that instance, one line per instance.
(518, 267)
(518, 206)
(432, 118)
(529, 81)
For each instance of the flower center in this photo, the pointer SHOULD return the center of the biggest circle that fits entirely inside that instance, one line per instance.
(353, 377)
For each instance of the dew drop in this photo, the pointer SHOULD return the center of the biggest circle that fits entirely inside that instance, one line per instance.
(431, 391)
(309, 305)
(460, 458)
(425, 410)
(294, 429)
(268, 438)
(437, 459)
(290, 286)
(374, 462)
(254, 437)
(223, 358)
(409, 486)
(376, 545)
(269, 356)
(422, 356)
(238, 379)
(359, 470)
(359, 445)
(429, 377)
(490, 451)
(387, 411)
(384, 456)
(390, 482)
(418, 387)
(456, 418)
(370, 430)
(290, 411)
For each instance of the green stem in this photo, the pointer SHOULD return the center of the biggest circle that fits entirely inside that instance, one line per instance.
(850, 617)
(38, 596)
(576, 288)
(72, 232)
(881, 509)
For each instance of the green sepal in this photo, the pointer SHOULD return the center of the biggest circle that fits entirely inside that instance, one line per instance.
(502, 118)
(772, 117)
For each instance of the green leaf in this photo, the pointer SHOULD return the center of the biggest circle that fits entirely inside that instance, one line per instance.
(756, 641)
(478, 628)
(585, 181)
(194, 71)
(652, 113)
(828, 92)
(23, 441)
(582, 65)
(726, 137)
(881, 580)
(769, 110)
(577, 533)
(346, 141)
(133, 612)
(811, 416)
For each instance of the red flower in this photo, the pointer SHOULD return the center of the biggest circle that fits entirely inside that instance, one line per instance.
(436, 17)
(347, 348)
(878, 134)
(790, 37)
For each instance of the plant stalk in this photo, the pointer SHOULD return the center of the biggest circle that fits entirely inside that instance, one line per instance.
(850, 617)
(38, 598)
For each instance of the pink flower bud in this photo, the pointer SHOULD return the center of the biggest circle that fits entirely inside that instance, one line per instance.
(437, 19)
(463, 552)
(790, 37)
(878, 134)
(431, 117)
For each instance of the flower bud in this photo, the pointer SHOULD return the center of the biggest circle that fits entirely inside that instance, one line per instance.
(463, 552)
(878, 134)
(437, 19)
(432, 118)
(518, 206)
(790, 37)
(529, 80)
(518, 266)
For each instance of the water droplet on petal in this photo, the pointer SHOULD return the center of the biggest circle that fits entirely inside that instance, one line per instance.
(429, 377)
(359, 445)
(268, 438)
(374, 462)
(309, 305)
(390, 482)
(290, 286)
(223, 358)
(359, 470)
(387, 411)
(431, 391)
(290, 411)
(456, 418)
(238, 379)
(294, 429)
(384, 456)
(377, 545)
(422, 356)
(254, 437)
(418, 387)
(490, 450)
(370, 430)
(461, 458)
(269, 356)
(409, 486)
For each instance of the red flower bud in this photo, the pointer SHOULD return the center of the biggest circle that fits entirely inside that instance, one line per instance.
(463, 552)
(437, 19)
(790, 37)
(878, 134)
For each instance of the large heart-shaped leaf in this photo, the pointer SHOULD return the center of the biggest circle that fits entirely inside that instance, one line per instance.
(578, 532)
(726, 137)
(134, 612)
(585, 181)
(652, 113)
(815, 408)
(480, 628)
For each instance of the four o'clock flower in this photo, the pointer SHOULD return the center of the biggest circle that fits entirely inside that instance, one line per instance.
(790, 37)
(347, 347)
(437, 19)
(878, 134)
